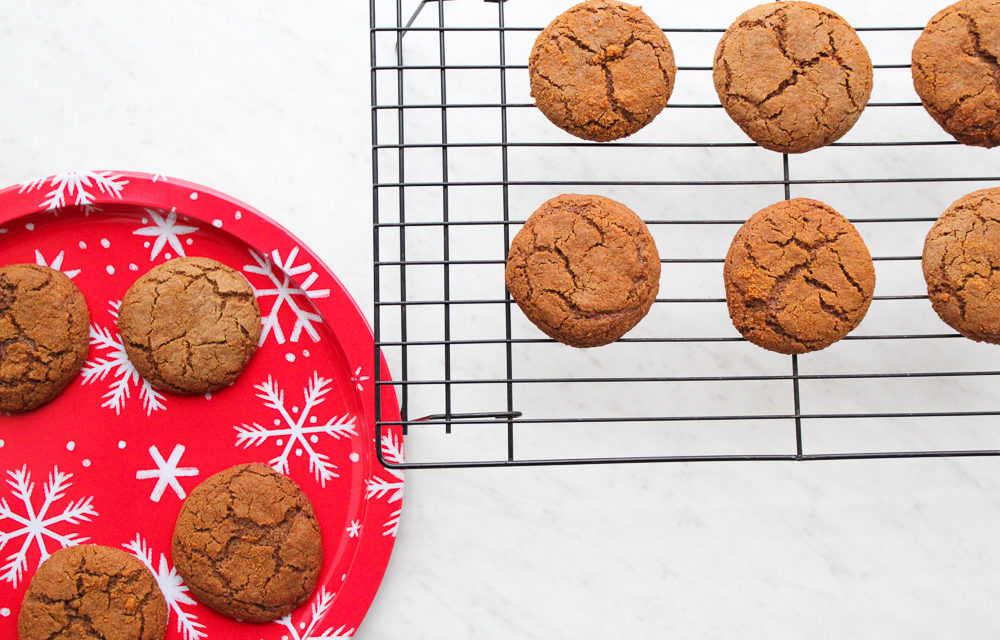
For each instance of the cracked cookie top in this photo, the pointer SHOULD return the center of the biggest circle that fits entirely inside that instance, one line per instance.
(89, 591)
(44, 335)
(584, 269)
(602, 70)
(956, 72)
(793, 75)
(798, 277)
(190, 325)
(962, 265)
(247, 543)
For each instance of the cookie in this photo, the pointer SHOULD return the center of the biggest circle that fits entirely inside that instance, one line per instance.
(602, 70)
(44, 335)
(793, 75)
(956, 74)
(247, 543)
(798, 277)
(92, 592)
(584, 269)
(962, 265)
(190, 325)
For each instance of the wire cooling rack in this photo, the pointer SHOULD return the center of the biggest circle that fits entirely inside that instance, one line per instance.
(683, 386)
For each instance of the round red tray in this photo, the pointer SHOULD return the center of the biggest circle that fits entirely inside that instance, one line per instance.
(110, 460)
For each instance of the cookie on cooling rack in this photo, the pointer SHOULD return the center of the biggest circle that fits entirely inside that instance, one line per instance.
(798, 277)
(190, 325)
(602, 70)
(90, 591)
(955, 71)
(43, 335)
(793, 75)
(961, 264)
(247, 543)
(584, 269)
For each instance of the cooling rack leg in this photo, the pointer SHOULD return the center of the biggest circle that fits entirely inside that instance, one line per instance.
(446, 242)
(506, 227)
(795, 358)
(401, 137)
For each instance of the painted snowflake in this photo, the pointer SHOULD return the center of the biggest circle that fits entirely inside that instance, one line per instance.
(79, 185)
(358, 380)
(56, 263)
(166, 473)
(166, 230)
(388, 488)
(37, 524)
(297, 431)
(308, 631)
(123, 373)
(287, 295)
(173, 588)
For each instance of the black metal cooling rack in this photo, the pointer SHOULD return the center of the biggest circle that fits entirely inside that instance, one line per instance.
(392, 217)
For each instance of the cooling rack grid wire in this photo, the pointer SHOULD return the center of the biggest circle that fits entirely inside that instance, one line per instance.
(461, 157)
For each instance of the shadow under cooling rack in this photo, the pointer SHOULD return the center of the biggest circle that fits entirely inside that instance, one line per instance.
(461, 157)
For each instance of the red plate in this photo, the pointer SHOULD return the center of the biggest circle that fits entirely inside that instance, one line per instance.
(110, 460)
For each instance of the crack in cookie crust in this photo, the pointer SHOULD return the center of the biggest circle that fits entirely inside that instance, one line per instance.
(602, 70)
(798, 277)
(90, 591)
(44, 335)
(190, 325)
(956, 72)
(247, 543)
(584, 269)
(961, 264)
(793, 75)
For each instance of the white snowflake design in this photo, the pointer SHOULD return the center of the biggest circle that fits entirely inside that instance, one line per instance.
(308, 631)
(77, 184)
(166, 473)
(37, 525)
(173, 588)
(292, 432)
(354, 530)
(56, 263)
(166, 230)
(121, 369)
(359, 379)
(285, 291)
(388, 488)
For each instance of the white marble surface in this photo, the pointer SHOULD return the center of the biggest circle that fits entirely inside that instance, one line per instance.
(269, 102)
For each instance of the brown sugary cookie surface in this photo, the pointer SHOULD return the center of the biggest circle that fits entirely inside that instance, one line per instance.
(798, 277)
(584, 269)
(247, 543)
(793, 75)
(956, 73)
(602, 70)
(88, 592)
(962, 265)
(190, 325)
(44, 335)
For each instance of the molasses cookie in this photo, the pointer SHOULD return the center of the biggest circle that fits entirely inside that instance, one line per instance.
(584, 269)
(190, 325)
(247, 543)
(962, 265)
(44, 335)
(955, 71)
(92, 592)
(793, 75)
(602, 70)
(798, 277)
